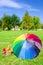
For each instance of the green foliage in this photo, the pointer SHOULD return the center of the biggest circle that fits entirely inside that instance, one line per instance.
(42, 26)
(0, 23)
(15, 20)
(7, 22)
(36, 22)
(10, 21)
(26, 21)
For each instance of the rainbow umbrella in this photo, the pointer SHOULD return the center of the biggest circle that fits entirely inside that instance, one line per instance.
(27, 46)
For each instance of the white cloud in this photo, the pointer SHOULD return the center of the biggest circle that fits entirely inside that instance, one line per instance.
(30, 8)
(33, 9)
(9, 3)
(13, 4)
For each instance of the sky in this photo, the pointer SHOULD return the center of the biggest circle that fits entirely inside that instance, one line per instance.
(19, 7)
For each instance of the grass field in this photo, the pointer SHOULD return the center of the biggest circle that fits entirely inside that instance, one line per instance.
(7, 38)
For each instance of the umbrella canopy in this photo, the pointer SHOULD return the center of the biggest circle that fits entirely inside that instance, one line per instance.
(27, 46)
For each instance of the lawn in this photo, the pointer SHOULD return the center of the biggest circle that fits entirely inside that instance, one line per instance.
(7, 38)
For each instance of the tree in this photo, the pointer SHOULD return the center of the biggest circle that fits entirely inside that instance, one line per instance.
(41, 26)
(26, 21)
(0, 23)
(3, 22)
(36, 22)
(6, 22)
(15, 20)
(10, 21)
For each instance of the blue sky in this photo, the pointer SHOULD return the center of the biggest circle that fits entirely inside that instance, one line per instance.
(18, 7)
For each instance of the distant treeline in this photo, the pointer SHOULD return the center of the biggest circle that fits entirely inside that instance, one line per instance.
(27, 22)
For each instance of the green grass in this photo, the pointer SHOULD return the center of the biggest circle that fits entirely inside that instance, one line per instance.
(7, 38)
